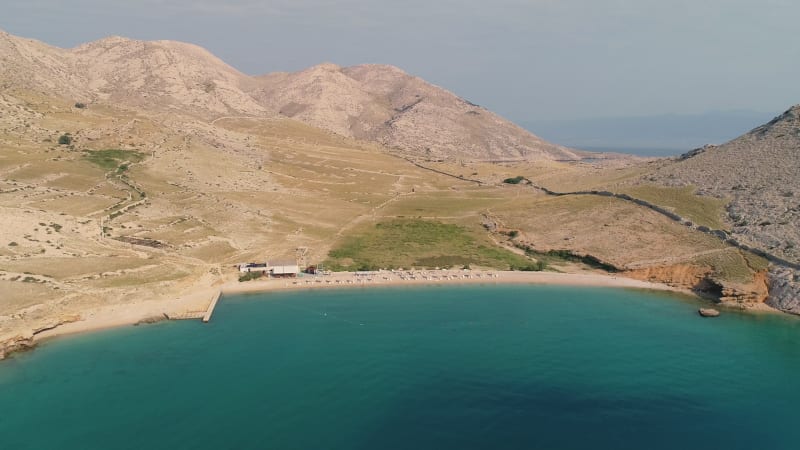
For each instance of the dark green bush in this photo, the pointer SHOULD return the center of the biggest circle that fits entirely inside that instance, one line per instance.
(516, 180)
(250, 276)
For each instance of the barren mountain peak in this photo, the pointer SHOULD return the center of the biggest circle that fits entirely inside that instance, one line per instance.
(111, 40)
(377, 67)
(791, 115)
(383, 103)
(376, 73)
(325, 66)
(375, 102)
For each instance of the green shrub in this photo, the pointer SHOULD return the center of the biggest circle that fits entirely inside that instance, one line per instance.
(65, 139)
(516, 180)
(113, 159)
(250, 276)
(538, 266)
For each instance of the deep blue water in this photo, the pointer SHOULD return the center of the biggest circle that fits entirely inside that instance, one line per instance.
(514, 367)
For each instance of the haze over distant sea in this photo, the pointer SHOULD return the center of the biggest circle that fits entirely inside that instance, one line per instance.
(658, 135)
(449, 367)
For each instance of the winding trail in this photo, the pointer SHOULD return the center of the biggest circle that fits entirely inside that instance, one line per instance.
(722, 235)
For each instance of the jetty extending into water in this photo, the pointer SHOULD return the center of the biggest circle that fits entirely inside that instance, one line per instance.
(190, 315)
(211, 306)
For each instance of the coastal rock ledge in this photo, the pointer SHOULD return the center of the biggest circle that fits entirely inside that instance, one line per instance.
(27, 340)
(16, 344)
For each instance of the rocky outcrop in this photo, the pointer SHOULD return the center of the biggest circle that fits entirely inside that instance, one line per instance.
(708, 312)
(27, 340)
(151, 319)
(784, 287)
(684, 276)
(702, 281)
(15, 344)
(743, 294)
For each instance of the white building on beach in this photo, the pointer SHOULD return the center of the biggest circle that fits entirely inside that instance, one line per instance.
(283, 268)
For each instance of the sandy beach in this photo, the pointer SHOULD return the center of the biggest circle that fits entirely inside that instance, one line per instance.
(193, 303)
(433, 277)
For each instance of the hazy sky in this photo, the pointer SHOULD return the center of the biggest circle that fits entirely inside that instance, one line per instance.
(525, 59)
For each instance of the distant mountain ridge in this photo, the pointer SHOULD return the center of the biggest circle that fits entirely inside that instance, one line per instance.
(370, 102)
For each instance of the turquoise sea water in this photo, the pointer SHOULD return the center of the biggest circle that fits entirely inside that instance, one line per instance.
(467, 367)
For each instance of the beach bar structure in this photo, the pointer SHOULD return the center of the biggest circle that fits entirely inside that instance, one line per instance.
(280, 268)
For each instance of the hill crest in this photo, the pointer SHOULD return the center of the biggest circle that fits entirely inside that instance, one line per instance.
(371, 102)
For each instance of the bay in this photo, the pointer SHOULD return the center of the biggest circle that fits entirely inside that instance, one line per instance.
(438, 367)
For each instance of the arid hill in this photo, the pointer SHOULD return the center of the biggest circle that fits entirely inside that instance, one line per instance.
(163, 74)
(760, 173)
(376, 103)
(384, 104)
(158, 75)
(33, 65)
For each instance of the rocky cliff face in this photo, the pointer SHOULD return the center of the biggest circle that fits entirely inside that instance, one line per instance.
(702, 281)
(784, 288)
(28, 340)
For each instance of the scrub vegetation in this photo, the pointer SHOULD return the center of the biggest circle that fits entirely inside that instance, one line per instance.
(406, 243)
(113, 159)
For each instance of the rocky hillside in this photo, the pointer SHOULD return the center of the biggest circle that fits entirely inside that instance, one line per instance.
(376, 103)
(159, 75)
(760, 173)
(384, 104)
(32, 65)
(163, 74)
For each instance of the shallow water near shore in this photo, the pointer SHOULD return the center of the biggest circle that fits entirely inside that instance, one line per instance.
(425, 368)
